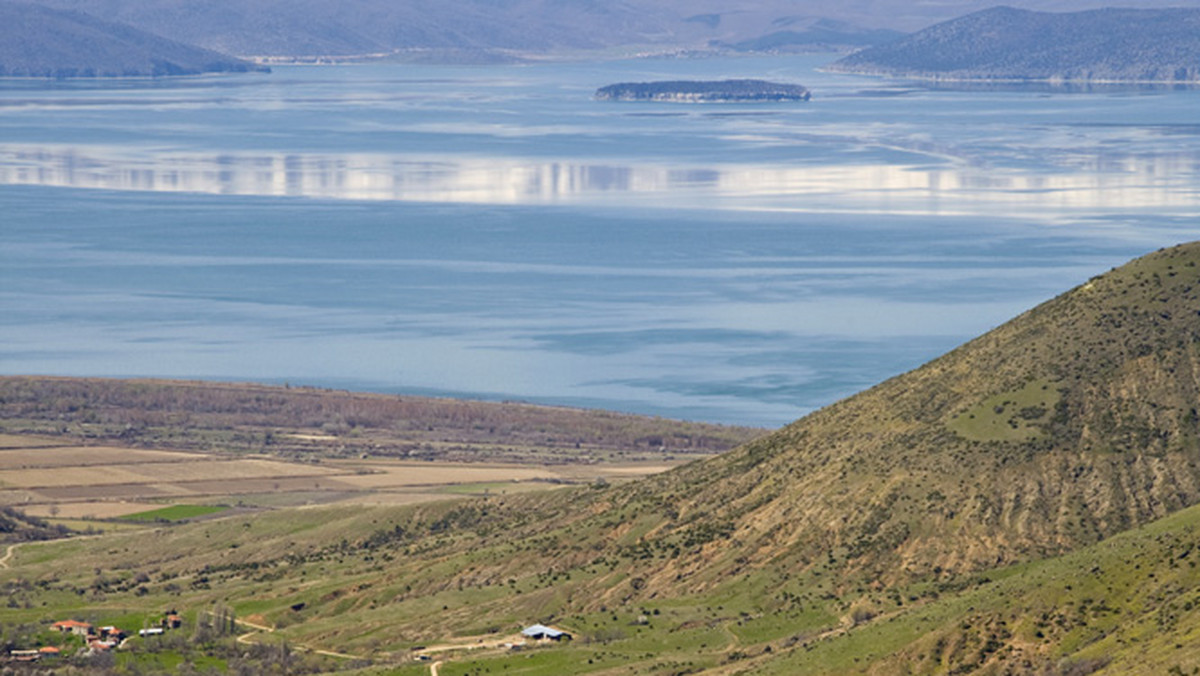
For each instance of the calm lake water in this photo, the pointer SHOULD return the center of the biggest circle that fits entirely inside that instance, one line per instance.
(494, 232)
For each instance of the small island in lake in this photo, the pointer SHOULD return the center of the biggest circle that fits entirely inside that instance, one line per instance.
(696, 91)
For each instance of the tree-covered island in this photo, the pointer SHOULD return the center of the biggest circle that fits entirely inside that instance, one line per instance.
(698, 91)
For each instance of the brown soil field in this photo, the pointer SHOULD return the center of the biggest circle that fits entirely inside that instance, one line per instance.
(85, 456)
(189, 489)
(47, 479)
(95, 510)
(16, 497)
(115, 492)
(21, 441)
(268, 485)
(172, 472)
(399, 475)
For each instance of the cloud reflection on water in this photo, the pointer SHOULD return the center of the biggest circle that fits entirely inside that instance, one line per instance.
(1160, 182)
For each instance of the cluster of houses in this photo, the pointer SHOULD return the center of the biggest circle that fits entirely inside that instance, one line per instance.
(95, 639)
(169, 621)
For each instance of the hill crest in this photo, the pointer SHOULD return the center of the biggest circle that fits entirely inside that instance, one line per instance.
(1009, 44)
(37, 41)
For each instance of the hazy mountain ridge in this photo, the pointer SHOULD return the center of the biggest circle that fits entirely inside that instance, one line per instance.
(38, 41)
(816, 35)
(1003, 43)
(486, 31)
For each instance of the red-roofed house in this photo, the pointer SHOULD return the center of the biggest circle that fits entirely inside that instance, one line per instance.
(74, 627)
(98, 646)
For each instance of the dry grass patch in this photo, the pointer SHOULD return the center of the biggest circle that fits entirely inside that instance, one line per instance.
(86, 456)
(91, 509)
(208, 469)
(232, 469)
(104, 493)
(10, 498)
(392, 498)
(268, 485)
(22, 441)
(400, 475)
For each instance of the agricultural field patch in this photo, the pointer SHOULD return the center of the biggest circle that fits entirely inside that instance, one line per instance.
(101, 493)
(204, 468)
(22, 441)
(400, 474)
(394, 498)
(39, 457)
(104, 509)
(267, 485)
(175, 513)
(497, 488)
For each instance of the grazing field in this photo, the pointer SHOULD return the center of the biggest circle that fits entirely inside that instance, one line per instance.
(174, 513)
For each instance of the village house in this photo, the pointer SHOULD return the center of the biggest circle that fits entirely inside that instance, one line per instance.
(95, 645)
(24, 655)
(46, 652)
(74, 627)
(111, 633)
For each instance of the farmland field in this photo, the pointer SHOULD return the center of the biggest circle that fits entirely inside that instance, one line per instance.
(174, 513)
(110, 482)
(82, 452)
(107, 509)
(32, 456)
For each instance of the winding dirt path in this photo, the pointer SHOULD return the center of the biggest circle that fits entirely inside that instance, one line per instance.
(9, 554)
(246, 639)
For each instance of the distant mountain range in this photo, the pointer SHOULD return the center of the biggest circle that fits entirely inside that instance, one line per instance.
(1003, 43)
(491, 30)
(80, 38)
(38, 41)
(487, 30)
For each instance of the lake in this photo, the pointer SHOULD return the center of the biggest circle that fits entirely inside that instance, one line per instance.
(493, 232)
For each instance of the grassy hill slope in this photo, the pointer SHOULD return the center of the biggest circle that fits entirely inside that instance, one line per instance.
(1004, 43)
(39, 41)
(913, 528)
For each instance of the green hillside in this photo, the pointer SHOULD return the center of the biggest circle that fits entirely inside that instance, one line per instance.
(1019, 505)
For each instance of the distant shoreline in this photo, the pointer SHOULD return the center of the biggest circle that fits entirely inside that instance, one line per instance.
(926, 77)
